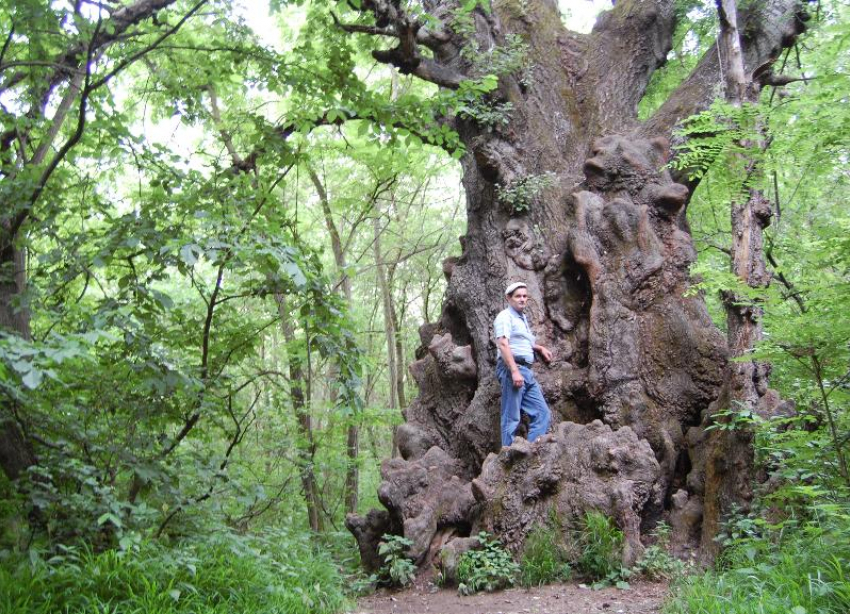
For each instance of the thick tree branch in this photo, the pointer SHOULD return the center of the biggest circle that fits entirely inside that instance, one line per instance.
(336, 118)
(626, 46)
(424, 36)
(393, 21)
(407, 59)
(733, 64)
(112, 30)
(768, 28)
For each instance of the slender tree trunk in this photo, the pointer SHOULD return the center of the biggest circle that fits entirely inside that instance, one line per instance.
(399, 361)
(14, 314)
(352, 440)
(300, 403)
(729, 466)
(389, 322)
(16, 453)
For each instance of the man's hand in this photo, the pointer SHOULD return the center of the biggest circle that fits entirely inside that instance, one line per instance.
(508, 358)
(544, 353)
(517, 378)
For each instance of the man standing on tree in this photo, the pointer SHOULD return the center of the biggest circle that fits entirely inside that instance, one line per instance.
(517, 345)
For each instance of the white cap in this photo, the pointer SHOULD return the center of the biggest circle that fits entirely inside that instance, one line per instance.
(510, 289)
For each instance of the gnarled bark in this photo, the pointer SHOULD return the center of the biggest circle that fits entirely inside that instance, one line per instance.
(605, 252)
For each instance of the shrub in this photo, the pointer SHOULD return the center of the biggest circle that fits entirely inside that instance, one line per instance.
(398, 569)
(487, 569)
(268, 574)
(545, 557)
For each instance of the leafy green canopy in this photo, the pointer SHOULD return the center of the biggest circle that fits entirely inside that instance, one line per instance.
(172, 237)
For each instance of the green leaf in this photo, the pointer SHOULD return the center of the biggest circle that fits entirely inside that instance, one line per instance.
(33, 378)
(189, 254)
(295, 273)
(22, 366)
(109, 517)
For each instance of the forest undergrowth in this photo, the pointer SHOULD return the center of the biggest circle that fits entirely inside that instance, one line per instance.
(218, 573)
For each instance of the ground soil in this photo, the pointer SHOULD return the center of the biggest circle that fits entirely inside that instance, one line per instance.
(573, 598)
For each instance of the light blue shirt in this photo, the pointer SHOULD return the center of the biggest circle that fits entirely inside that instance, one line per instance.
(514, 325)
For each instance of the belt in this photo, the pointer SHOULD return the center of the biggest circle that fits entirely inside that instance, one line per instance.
(520, 361)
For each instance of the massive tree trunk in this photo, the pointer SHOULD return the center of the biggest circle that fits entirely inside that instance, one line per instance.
(605, 251)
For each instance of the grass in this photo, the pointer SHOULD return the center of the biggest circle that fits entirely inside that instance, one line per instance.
(805, 572)
(600, 545)
(545, 557)
(594, 550)
(270, 574)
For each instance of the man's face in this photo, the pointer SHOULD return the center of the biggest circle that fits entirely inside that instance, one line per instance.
(518, 299)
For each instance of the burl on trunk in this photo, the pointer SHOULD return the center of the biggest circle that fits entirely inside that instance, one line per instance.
(604, 247)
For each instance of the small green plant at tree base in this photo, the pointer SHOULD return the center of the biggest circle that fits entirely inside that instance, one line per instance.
(398, 569)
(619, 578)
(657, 563)
(545, 557)
(601, 551)
(489, 568)
(737, 417)
(738, 526)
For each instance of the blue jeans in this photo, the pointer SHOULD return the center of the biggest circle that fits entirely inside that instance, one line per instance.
(527, 398)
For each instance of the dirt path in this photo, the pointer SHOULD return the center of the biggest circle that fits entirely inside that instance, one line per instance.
(641, 598)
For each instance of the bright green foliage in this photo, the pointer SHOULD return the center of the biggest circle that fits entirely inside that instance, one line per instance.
(718, 137)
(487, 569)
(807, 335)
(490, 114)
(398, 569)
(521, 194)
(545, 557)
(169, 246)
(600, 545)
(272, 573)
(802, 571)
